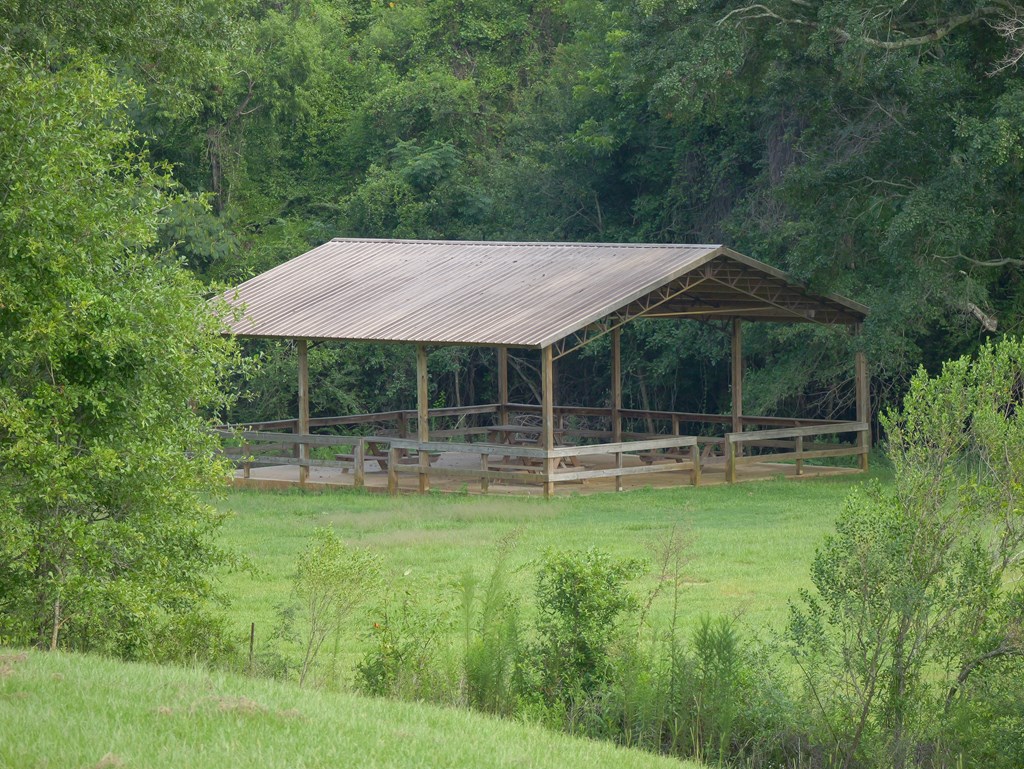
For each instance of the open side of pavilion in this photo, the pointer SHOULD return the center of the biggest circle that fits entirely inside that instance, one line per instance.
(552, 297)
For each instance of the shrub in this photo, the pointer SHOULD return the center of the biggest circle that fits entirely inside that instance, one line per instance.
(406, 659)
(331, 579)
(581, 598)
(105, 343)
(919, 590)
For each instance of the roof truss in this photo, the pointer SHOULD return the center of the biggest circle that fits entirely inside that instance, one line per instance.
(724, 287)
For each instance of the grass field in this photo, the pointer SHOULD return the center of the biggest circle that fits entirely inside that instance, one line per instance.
(59, 710)
(750, 553)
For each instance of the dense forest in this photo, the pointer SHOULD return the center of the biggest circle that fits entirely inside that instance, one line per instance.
(872, 149)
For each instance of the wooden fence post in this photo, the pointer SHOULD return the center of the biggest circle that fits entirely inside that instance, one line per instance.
(548, 419)
(737, 380)
(422, 415)
(302, 424)
(616, 385)
(359, 459)
(393, 455)
(863, 396)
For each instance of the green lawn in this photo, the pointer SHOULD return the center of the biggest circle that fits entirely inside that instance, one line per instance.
(750, 551)
(59, 710)
(751, 548)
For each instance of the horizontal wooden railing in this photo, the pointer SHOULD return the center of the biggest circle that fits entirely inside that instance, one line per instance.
(363, 419)
(252, 445)
(410, 416)
(780, 438)
(544, 462)
(456, 430)
(671, 416)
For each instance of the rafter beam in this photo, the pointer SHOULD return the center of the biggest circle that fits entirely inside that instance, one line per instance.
(652, 301)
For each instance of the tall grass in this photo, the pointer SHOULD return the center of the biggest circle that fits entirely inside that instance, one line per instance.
(588, 662)
(491, 642)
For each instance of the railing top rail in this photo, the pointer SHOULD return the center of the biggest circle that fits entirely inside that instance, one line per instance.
(797, 432)
(377, 416)
(670, 442)
(526, 452)
(683, 416)
(309, 439)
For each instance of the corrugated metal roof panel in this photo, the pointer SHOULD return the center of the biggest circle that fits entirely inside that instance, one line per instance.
(516, 294)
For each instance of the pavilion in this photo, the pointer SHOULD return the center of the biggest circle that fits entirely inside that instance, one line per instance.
(552, 297)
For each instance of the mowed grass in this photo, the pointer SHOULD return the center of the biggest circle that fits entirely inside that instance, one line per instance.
(749, 553)
(70, 711)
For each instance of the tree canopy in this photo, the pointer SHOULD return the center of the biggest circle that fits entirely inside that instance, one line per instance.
(870, 150)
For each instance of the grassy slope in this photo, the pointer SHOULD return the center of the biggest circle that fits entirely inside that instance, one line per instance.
(60, 710)
(751, 544)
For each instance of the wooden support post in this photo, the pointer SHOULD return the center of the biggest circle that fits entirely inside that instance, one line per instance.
(695, 460)
(246, 468)
(616, 385)
(393, 456)
(863, 384)
(559, 419)
(302, 425)
(547, 418)
(422, 415)
(730, 461)
(403, 430)
(502, 385)
(799, 453)
(359, 459)
(618, 466)
(737, 379)
(484, 483)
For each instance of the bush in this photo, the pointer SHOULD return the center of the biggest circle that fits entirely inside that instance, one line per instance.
(331, 579)
(406, 659)
(111, 362)
(581, 598)
(592, 667)
(919, 590)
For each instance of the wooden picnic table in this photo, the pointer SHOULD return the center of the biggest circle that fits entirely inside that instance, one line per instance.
(509, 435)
(377, 451)
(374, 450)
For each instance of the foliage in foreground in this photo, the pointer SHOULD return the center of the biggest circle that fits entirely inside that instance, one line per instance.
(910, 646)
(587, 663)
(108, 358)
(918, 596)
(331, 580)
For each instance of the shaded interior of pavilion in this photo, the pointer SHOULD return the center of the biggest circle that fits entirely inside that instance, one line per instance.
(542, 447)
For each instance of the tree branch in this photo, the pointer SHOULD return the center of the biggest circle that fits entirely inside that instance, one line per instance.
(988, 322)
(945, 28)
(910, 42)
(1005, 650)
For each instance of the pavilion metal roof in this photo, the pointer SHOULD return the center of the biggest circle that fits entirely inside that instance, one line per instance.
(514, 294)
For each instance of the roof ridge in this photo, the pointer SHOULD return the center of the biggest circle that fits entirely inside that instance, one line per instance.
(522, 243)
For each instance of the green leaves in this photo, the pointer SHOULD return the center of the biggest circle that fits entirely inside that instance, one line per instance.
(919, 587)
(110, 358)
(581, 596)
